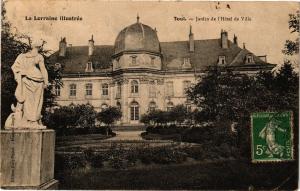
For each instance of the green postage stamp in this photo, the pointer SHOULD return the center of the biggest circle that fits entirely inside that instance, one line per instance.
(272, 136)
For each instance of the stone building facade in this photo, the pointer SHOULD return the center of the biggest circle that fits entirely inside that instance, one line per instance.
(140, 73)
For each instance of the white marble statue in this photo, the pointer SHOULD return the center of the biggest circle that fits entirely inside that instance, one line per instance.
(32, 77)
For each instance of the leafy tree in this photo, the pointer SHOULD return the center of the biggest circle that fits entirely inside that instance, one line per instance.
(109, 115)
(85, 115)
(219, 95)
(225, 97)
(146, 119)
(155, 117)
(178, 114)
(291, 47)
(62, 117)
(158, 117)
(13, 44)
(82, 116)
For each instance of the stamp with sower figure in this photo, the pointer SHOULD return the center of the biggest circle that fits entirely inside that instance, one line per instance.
(272, 136)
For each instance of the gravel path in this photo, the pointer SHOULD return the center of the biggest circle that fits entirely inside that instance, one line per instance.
(127, 135)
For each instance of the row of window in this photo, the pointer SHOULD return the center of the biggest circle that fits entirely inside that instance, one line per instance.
(186, 61)
(134, 108)
(134, 89)
(88, 90)
(170, 87)
(134, 62)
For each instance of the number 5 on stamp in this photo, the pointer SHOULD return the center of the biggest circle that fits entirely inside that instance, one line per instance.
(272, 136)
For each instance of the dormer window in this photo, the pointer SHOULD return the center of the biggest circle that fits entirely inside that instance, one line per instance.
(186, 63)
(152, 60)
(89, 67)
(133, 60)
(222, 60)
(117, 62)
(249, 59)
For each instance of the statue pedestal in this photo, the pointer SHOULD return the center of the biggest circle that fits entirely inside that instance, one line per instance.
(27, 159)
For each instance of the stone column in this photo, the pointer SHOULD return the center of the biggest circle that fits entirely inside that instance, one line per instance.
(144, 95)
(27, 159)
(125, 104)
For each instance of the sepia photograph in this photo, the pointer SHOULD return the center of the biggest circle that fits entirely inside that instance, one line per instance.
(149, 95)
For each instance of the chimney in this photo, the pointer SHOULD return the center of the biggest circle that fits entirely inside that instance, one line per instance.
(191, 40)
(62, 47)
(137, 18)
(235, 40)
(91, 46)
(224, 39)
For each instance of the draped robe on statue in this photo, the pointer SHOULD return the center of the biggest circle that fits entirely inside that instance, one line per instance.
(29, 91)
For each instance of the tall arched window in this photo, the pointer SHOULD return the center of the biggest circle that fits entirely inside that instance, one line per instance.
(152, 106)
(170, 89)
(152, 89)
(170, 106)
(134, 87)
(134, 111)
(119, 106)
(104, 106)
(186, 86)
(119, 90)
(105, 89)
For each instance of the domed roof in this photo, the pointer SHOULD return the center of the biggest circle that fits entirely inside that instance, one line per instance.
(137, 37)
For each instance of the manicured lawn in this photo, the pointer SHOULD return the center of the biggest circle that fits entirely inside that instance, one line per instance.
(209, 175)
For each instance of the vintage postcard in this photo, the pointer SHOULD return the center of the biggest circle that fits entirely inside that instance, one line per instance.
(149, 95)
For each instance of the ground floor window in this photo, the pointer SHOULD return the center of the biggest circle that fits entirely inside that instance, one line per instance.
(152, 106)
(104, 106)
(57, 90)
(188, 107)
(170, 106)
(134, 111)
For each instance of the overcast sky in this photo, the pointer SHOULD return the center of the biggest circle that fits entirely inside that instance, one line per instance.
(264, 34)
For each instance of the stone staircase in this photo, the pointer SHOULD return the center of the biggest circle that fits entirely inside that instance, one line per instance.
(129, 128)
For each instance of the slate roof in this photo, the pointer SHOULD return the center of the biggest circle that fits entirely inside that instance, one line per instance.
(77, 57)
(206, 53)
